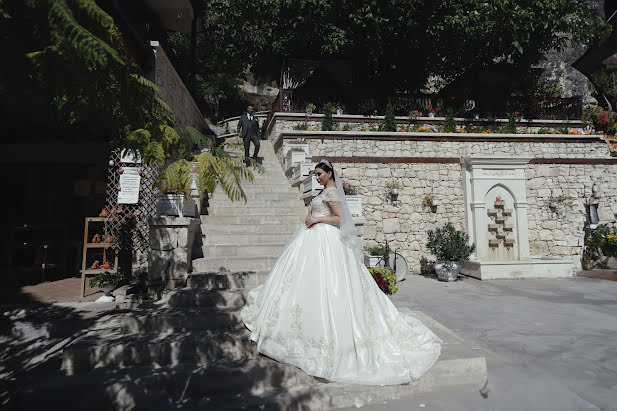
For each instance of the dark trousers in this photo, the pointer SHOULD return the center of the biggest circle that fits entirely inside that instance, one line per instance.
(247, 145)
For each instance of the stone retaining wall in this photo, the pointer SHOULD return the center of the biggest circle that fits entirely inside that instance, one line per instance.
(405, 222)
(429, 164)
(174, 92)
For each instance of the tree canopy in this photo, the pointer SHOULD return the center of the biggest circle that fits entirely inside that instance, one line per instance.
(393, 45)
(68, 68)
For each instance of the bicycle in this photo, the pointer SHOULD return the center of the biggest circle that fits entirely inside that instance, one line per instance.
(395, 263)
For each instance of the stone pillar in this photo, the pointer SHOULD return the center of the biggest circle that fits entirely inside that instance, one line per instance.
(171, 244)
(523, 233)
(478, 210)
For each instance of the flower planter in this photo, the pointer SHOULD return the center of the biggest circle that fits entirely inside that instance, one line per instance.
(354, 202)
(301, 172)
(310, 187)
(447, 271)
(294, 157)
(174, 205)
(394, 191)
(434, 203)
(287, 146)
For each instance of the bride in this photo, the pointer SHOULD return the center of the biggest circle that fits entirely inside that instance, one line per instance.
(320, 309)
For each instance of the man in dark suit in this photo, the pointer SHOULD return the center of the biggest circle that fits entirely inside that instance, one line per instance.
(248, 129)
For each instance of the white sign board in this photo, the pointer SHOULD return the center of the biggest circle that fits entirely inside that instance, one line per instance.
(129, 186)
(129, 157)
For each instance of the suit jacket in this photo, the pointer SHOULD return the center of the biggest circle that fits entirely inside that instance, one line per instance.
(249, 127)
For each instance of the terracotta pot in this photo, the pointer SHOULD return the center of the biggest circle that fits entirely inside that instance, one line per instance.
(107, 265)
(95, 265)
(104, 212)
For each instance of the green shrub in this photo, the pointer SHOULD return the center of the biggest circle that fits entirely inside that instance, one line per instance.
(376, 250)
(449, 244)
(389, 121)
(449, 124)
(510, 127)
(105, 279)
(327, 123)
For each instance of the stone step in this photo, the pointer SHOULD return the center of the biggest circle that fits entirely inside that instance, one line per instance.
(214, 228)
(206, 264)
(243, 239)
(256, 211)
(196, 297)
(286, 218)
(186, 319)
(269, 188)
(243, 250)
(257, 196)
(116, 349)
(258, 203)
(226, 280)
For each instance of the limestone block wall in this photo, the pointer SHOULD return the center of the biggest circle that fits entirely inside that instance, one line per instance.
(171, 243)
(174, 92)
(560, 232)
(560, 165)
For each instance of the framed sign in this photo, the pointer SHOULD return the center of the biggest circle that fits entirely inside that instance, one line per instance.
(129, 186)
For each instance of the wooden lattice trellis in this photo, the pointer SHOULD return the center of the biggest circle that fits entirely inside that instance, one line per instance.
(130, 226)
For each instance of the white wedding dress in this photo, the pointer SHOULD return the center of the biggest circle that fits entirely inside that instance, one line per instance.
(321, 310)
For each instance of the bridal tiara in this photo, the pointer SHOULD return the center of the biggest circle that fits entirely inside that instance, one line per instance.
(329, 164)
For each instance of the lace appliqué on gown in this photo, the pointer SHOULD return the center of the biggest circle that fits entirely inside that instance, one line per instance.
(319, 204)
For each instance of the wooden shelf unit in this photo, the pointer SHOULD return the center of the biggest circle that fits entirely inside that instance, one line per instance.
(85, 271)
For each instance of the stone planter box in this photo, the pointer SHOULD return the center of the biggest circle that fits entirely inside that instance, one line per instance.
(355, 204)
(310, 187)
(288, 146)
(174, 205)
(301, 173)
(293, 158)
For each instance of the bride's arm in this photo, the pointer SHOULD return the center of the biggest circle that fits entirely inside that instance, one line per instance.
(335, 219)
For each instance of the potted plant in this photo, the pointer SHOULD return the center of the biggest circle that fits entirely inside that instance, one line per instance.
(339, 108)
(375, 253)
(354, 200)
(106, 281)
(393, 187)
(451, 249)
(309, 109)
(213, 167)
(556, 202)
(385, 279)
(172, 190)
(429, 201)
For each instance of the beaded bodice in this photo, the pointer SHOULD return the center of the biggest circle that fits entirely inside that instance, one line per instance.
(319, 204)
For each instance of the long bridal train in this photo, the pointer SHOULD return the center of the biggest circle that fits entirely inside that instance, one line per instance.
(321, 310)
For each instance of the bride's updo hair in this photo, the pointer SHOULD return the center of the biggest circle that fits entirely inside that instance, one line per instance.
(326, 166)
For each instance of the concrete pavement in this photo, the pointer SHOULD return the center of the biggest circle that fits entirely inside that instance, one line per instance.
(553, 342)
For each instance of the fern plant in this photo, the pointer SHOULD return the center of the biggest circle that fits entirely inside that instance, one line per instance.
(75, 72)
(215, 167)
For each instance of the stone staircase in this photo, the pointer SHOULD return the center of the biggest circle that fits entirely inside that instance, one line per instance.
(191, 350)
(250, 236)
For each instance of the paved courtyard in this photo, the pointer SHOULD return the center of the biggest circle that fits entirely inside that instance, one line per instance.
(552, 344)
